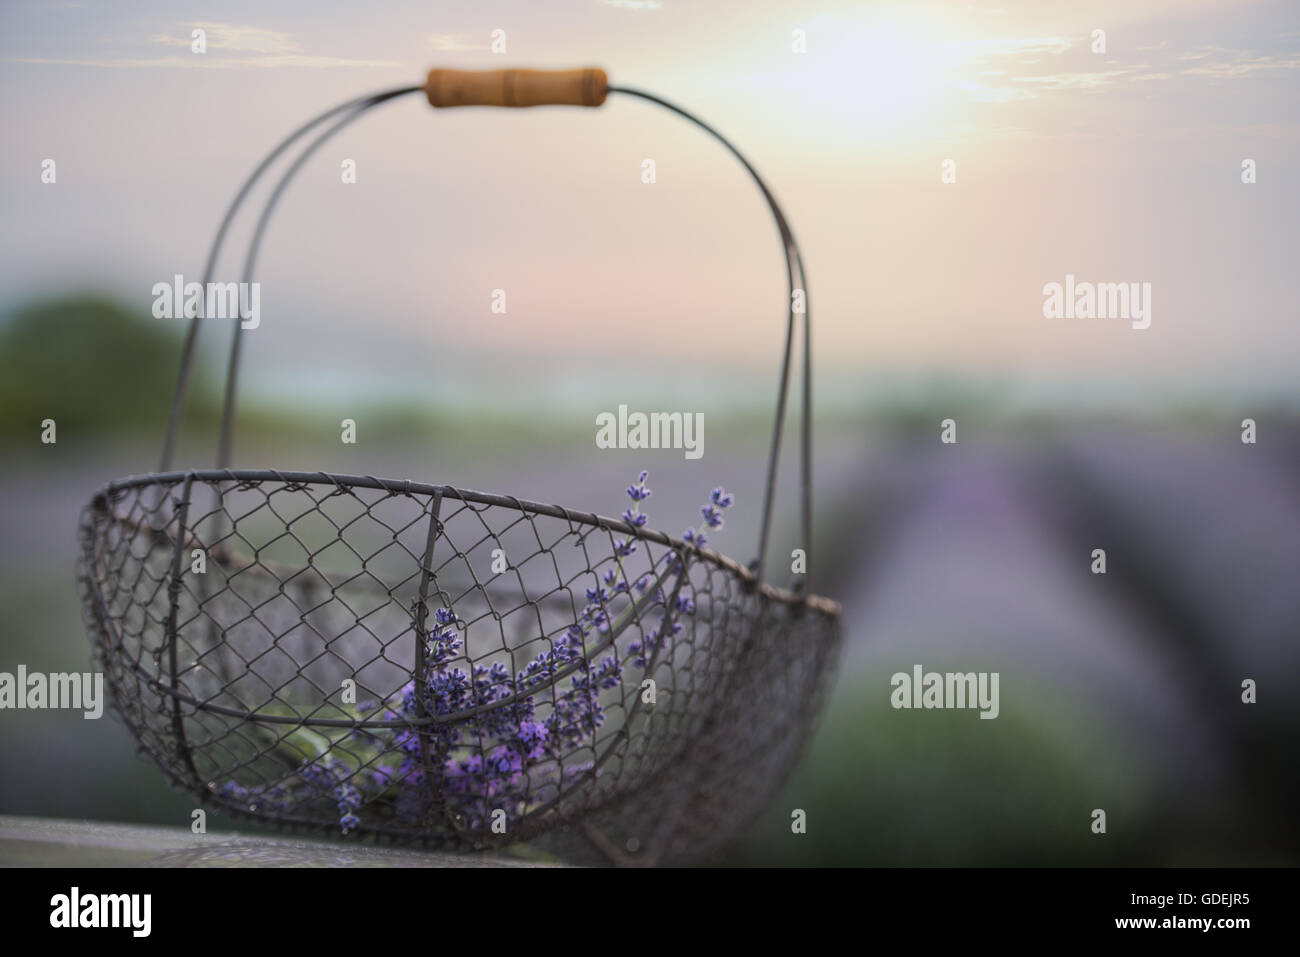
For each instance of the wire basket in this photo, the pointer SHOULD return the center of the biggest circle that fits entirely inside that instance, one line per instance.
(438, 665)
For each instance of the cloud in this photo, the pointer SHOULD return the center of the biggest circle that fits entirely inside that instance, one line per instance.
(453, 43)
(1243, 66)
(250, 46)
(1014, 46)
(991, 94)
(995, 69)
(1232, 63)
(1075, 81)
(1200, 53)
(193, 61)
(236, 39)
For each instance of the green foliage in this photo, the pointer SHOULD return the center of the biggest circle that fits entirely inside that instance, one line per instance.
(89, 364)
(885, 787)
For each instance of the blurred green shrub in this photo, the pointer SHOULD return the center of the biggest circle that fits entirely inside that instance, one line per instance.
(89, 363)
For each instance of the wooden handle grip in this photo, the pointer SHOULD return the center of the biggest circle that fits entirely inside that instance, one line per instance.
(516, 87)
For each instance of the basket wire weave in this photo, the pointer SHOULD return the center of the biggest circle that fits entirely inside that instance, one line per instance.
(355, 656)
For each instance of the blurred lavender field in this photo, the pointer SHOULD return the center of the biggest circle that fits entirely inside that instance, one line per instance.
(1119, 691)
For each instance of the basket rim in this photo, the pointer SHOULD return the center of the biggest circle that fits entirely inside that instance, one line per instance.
(775, 593)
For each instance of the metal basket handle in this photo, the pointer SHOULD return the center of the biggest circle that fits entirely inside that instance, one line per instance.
(514, 88)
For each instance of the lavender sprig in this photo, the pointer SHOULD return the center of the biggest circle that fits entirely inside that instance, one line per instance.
(504, 756)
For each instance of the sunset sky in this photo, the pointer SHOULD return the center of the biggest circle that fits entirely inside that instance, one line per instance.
(1122, 166)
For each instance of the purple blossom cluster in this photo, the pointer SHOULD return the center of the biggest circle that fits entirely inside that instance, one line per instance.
(505, 755)
(671, 624)
(498, 757)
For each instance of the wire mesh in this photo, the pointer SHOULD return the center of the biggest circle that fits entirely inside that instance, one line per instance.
(450, 667)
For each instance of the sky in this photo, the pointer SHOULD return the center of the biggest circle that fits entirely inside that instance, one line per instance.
(1114, 165)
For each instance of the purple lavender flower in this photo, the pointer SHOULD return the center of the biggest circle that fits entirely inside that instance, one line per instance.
(638, 492)
(712, 516)
(505, 754)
